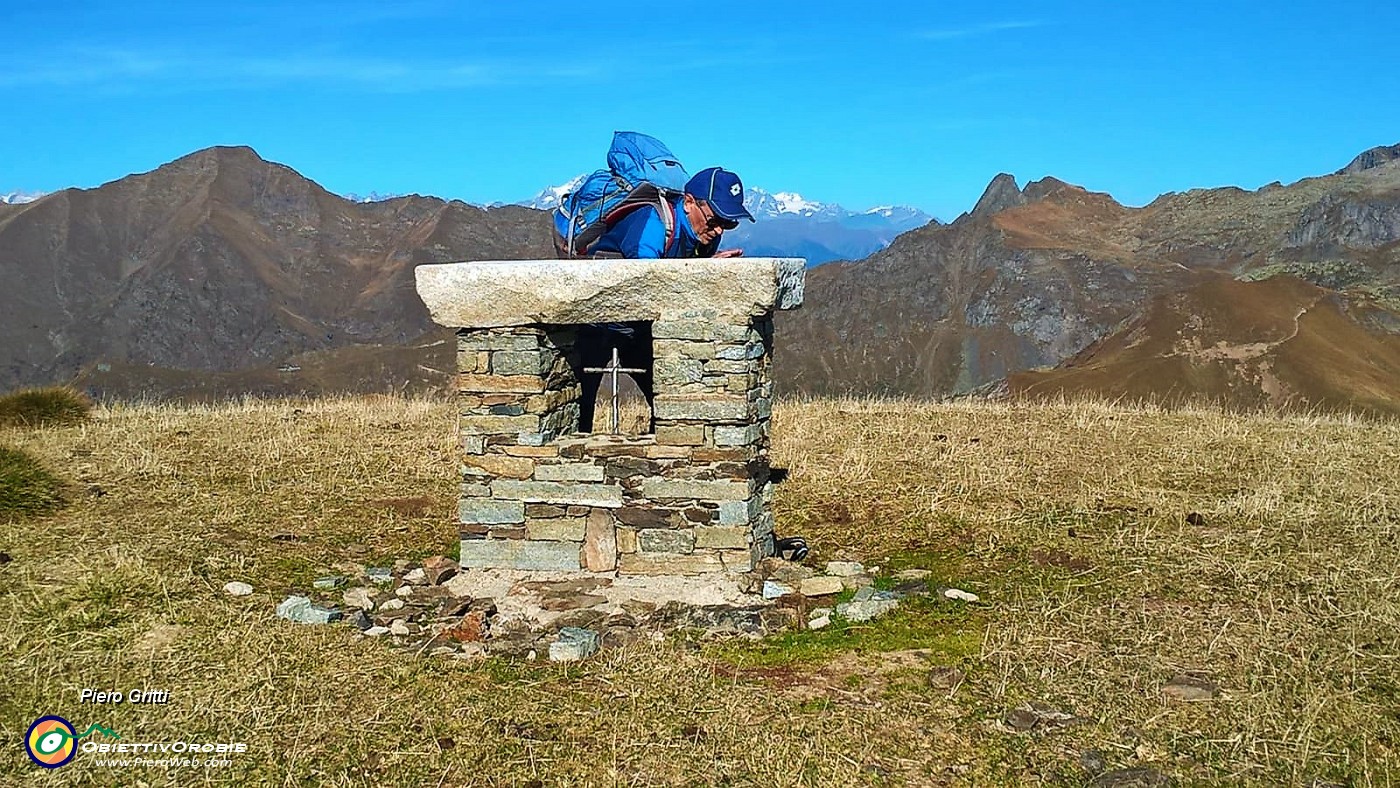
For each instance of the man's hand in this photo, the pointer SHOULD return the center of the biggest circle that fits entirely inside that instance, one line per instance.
(730, 253)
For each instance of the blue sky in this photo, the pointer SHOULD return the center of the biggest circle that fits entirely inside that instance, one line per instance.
(910, 103)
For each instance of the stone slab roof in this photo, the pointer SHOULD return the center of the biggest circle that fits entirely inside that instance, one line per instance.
(499, 293)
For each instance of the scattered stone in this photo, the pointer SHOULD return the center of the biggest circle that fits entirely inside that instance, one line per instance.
(399, 627)
(403, 592)
(446, 743)
(620, 637)
(1037, 716)
(960, 595)
(911, 588)
(945, 677)
(359, 620)
(358, 598)
(913, 574)
(844, 568)
(573, 644)
(574, 602)
(470, 629)
(820, 622)
(329, 583)
(1021, 719)
(392, 604)
(788, 572)
(857, 582)
(416, 577)
(866, 609)
(235, 588)
(439, 569)
(470, 651)
(820, 586)
(772, 589)
(1132, 778)
(1190, 687)
(5, 557)
(819, 612)
(454, 607)
(1092, 762)
(581, 619)
(380, 575)
(300, 610)
(872, 594)
(375, 632)
(1196, 519)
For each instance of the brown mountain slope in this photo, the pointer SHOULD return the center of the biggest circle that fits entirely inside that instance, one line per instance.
(221, 261)
(1280, 342)
(1031, 277)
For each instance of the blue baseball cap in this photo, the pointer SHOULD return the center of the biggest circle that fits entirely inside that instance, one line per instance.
(723, 191)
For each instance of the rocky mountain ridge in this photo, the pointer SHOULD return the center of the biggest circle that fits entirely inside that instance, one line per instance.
(221, 261)
(1032, 276)
(222, 273)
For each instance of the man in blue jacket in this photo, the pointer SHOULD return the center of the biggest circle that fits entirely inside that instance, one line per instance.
(713, 201)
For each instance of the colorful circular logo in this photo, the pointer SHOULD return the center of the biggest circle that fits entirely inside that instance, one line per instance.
(51, 742)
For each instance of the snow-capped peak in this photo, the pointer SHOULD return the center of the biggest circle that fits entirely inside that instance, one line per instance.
(19, 198)
(792, 202)
(550, 197)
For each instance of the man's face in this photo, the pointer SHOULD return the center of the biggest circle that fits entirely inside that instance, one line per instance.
(707, 224)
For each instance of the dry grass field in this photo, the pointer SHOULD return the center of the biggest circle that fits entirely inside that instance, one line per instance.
(1113, 548)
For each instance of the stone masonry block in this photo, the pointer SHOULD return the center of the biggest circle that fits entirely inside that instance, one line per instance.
(583, 494)
(487, 511)
(707, 490)
(737, 436)
(662, 540)
(569, 472)
(501, 465)
(492, 425)
(520, 362)
(493, 384)
(556, 529)
(740, 512)
(739, 352)
(723, 537)
(669, 371)
(600, 542)
(698, 563)
(680, 434)
(627, 540)
(520, 554)
(702, 408)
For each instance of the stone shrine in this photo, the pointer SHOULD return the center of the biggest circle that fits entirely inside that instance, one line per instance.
(693, 496)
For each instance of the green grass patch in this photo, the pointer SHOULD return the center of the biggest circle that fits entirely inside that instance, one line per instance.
(952, 632)
(26, 487)
(39, 407)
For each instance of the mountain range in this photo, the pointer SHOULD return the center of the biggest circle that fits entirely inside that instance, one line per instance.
(789, 225)
(1037, 287)
(221, 273)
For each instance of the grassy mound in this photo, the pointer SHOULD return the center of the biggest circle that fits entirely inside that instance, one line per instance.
(25, 486)
(35, 407)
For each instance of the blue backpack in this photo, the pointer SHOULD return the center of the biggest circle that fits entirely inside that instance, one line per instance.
(641, 171)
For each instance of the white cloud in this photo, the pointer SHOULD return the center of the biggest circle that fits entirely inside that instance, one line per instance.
(950, 33)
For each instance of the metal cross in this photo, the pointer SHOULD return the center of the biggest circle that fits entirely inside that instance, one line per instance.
(613, 367)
